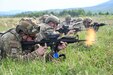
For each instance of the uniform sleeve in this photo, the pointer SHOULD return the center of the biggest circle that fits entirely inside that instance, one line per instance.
(13, 49)
(48, 31)
(45, 30)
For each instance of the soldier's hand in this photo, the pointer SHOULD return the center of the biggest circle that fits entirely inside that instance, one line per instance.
(41, 49)
(63, 45)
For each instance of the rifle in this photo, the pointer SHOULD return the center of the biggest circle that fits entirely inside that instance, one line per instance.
(65, 29)
(1, 33)
(96, 25)
(52, 41)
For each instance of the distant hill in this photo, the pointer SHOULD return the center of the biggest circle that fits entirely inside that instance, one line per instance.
(104, 7)
(10, 13)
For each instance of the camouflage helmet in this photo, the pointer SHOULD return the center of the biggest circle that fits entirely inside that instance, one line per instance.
(88, 19)
(87, 22)
(52, 19)
(27, 26)
(80, 19)
(44, 17)
(68, 18)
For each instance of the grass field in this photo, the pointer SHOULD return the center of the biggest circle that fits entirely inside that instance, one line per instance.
(81, 60)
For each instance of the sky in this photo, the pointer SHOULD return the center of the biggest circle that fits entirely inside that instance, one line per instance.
(37, 5)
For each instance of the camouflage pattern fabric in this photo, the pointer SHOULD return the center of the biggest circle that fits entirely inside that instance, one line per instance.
(11, 43)
(87, 22)
(67, 21)
(43, 18)
(71, 25)
(64, 23)
(12, 47)
(44, 31)
(79, 24)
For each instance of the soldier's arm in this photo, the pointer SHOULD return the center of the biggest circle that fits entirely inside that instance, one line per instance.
(46, 30)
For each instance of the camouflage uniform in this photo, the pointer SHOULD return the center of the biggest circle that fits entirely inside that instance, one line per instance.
(12, 46)
(79, 23)
(43, 18)
(87, 22)
(46, 30)
(71, 24)
(80, 19)
(83, 24)
(67, 21)
(11, 42)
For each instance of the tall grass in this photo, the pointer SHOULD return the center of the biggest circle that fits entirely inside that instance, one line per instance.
(81, 60)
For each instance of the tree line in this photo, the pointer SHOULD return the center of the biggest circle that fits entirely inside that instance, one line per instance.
(73, 12)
